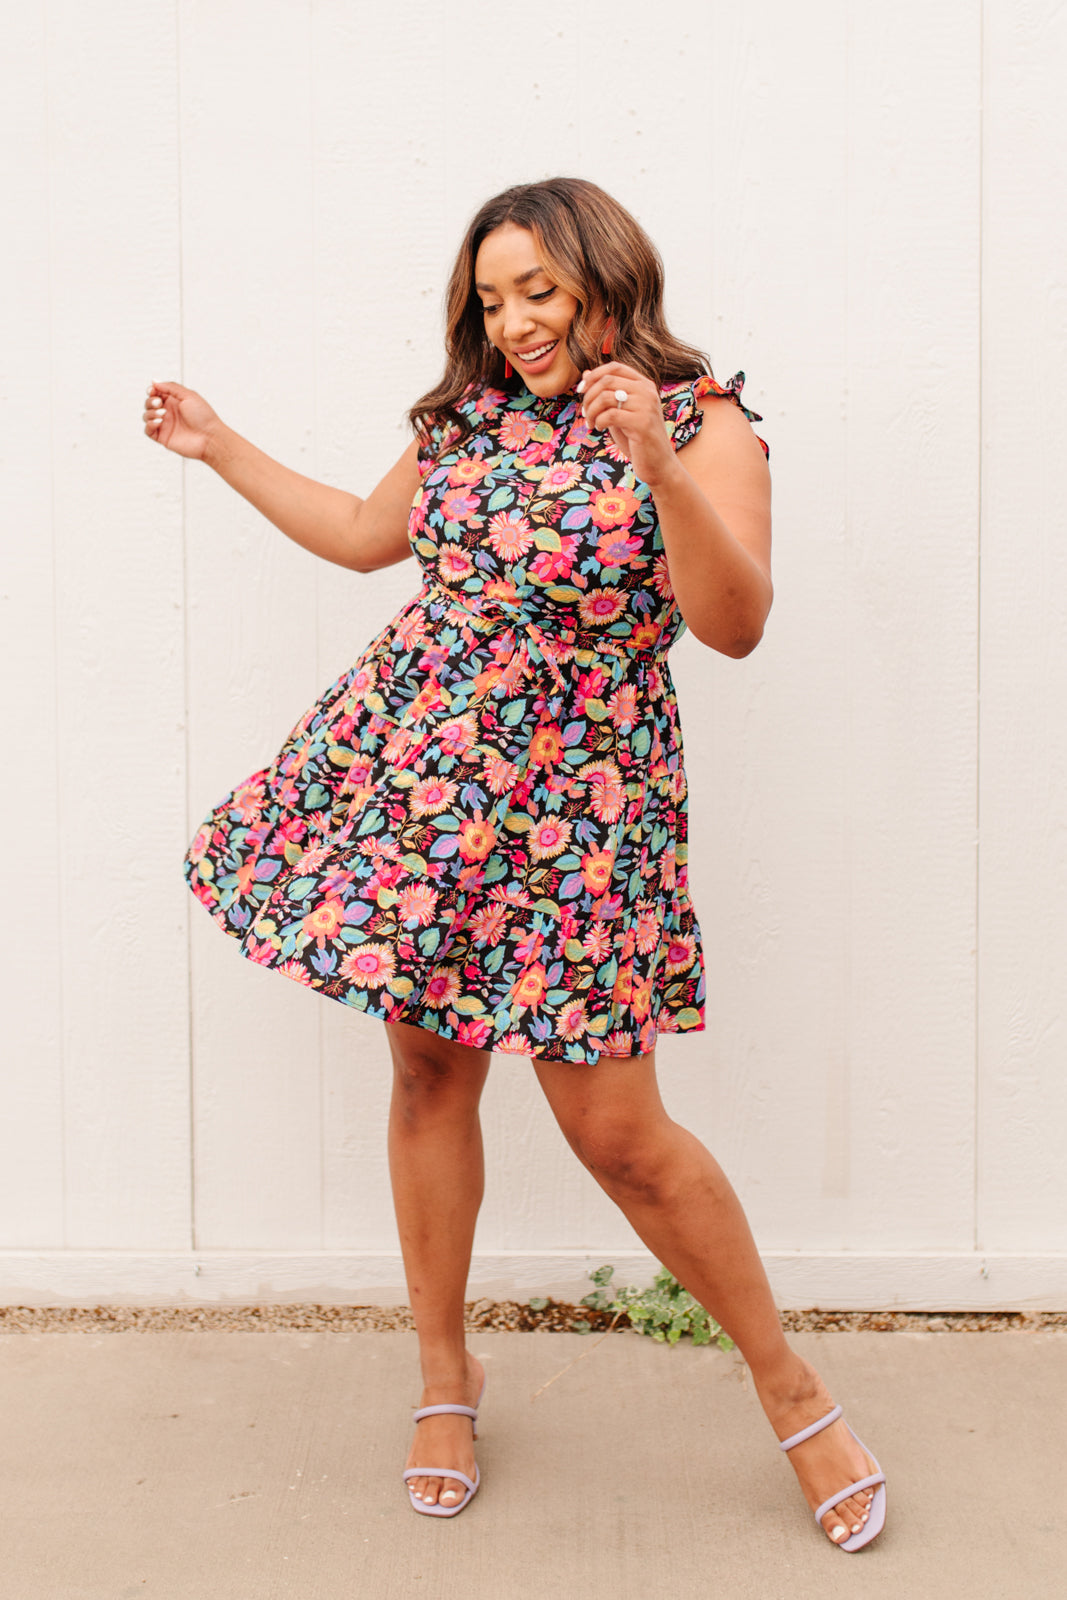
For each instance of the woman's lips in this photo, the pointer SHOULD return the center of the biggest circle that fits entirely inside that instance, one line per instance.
(540, 362)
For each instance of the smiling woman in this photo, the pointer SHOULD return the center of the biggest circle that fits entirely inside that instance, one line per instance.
(478, 834)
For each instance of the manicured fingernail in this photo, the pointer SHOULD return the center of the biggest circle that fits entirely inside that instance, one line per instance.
(581, 387)
(839, 1533)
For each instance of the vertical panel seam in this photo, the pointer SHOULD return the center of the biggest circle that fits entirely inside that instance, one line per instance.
(61, 1030)
(190, 1036)
(977, 1136)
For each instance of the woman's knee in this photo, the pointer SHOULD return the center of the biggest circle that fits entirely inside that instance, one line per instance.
(626, 1157)
(429, 1072)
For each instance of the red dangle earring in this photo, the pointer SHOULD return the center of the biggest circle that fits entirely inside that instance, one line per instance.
(605, 348)
(508, 369)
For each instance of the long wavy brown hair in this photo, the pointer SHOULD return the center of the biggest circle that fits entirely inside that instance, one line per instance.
(593, 248)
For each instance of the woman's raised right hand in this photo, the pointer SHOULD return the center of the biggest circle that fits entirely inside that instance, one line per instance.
(180, 419)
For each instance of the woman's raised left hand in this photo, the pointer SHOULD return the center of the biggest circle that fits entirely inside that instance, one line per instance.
(635, 424)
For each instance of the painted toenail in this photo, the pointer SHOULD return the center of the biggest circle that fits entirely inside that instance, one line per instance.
(839, 1533)
(856, 1526)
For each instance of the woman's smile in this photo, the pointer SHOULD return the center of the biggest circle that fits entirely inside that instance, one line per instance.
(526, 314)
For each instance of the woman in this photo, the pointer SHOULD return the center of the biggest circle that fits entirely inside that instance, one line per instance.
(478, 834)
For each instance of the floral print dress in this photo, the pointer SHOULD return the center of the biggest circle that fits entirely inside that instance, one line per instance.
(480, 829)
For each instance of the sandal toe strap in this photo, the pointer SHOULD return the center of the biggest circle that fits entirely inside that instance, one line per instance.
(853, 1488)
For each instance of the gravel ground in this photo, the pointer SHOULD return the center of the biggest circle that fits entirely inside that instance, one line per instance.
(505, 1316)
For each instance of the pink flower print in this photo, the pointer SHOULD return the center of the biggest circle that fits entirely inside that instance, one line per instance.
(529, 946)
(262, 954)
(540, 450)
(623, 707)
(558, 479)
(573, 1021)
(417, 903)
(618, 1043)
(458, 734)
(489, 924)
(431, 795)
(548, 565)
(612, 507)
(615, 550)
(591, 685)
(467, 470)
(680, 954)
(457, 505)
(601, 606)
(607, 797)
(454, 565)
(199, 847)
(548, 838)
(475, 1031)
(648, 931)
(371, 966)
(667, 868)
(510, 535)
(442, 988)
(517, 430)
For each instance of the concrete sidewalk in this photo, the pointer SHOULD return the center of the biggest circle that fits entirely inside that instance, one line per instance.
(249, 1466)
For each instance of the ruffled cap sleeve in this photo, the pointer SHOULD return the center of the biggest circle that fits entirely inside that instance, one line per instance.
(684, 417)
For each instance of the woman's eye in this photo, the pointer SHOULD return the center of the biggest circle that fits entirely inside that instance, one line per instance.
(488, 310)
(545, 294)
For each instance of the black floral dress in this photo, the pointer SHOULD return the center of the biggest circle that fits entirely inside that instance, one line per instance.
(480, 829)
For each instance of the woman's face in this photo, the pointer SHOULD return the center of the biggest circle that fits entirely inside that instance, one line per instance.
(527, 315)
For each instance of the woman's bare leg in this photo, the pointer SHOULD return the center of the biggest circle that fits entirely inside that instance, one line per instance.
(437, 1171)
(679, 1202)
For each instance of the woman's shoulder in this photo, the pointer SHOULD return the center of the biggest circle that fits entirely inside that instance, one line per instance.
(683, 413)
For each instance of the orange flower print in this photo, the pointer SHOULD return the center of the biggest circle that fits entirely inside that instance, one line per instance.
(596, 871)
(611, 507)
(199, 847)
(454, 564)
(431, 795)
(615, 550)
(416, 902)
(516, 430)
(510, 535)
(476, 839)
(661, 578)
(489, 924)
(546, 746)
(529, 990)
(248, 800)
(397, 746)
(295, 970)
(429, 698)
(548, 838)
(458, 506)
(641, 999)
(680, 953)
(411, 629)
(369, 967)
(622, 993)
(467, 470)
(644, 636)
(667, 868)
(500, 775)
(442, 988)
(322, 923)
(513, 1044)
(601, 606)
(619, 1043)
(607, 796)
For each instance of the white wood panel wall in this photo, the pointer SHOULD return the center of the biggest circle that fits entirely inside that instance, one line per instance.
(263, 203)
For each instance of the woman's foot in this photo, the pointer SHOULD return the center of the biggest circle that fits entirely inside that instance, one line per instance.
(828, 1461)
(447, 1439)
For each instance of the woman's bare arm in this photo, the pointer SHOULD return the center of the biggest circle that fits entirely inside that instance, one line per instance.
(362, 534)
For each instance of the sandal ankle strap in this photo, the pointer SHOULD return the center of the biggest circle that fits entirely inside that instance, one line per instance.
(807, 1433)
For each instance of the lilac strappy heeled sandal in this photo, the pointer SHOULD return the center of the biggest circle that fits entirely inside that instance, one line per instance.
(876, 1516)
(439, 1510)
